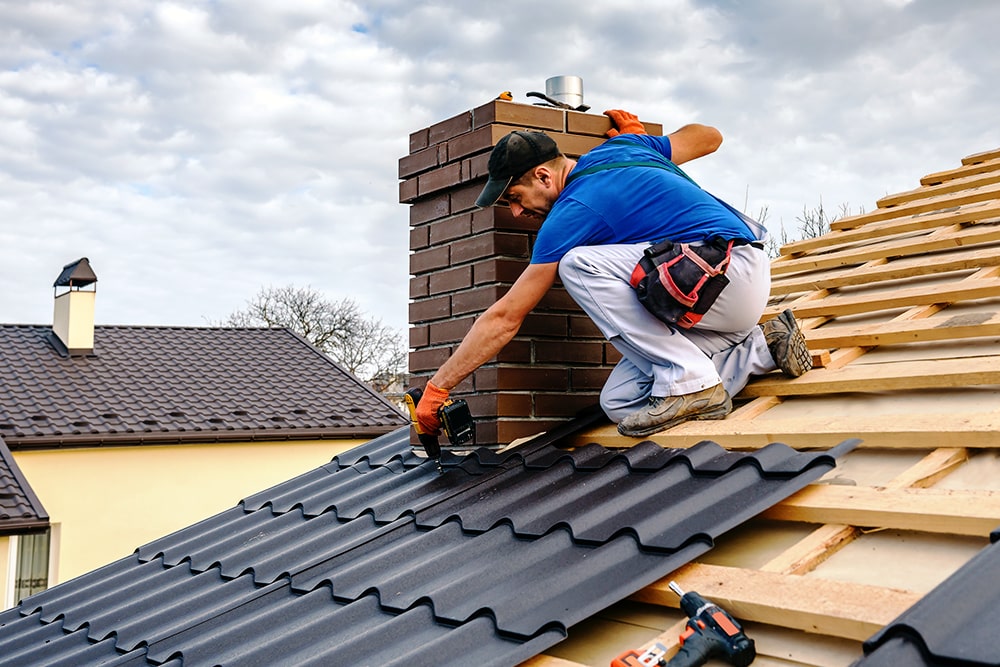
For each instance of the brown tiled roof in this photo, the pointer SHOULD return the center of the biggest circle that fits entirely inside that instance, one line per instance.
(20, 509)
(179, 384)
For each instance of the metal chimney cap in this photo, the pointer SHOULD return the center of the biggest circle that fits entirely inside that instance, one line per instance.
(76, 274)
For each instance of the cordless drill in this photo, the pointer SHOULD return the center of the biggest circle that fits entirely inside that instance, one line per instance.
(710, 633)
(456, 421)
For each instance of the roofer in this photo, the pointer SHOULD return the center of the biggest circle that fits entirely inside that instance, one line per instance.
(600, 215)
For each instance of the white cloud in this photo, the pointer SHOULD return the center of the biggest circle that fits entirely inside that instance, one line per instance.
(196, 151)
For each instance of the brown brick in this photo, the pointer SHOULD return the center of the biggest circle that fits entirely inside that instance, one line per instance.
(490, 244)
(422, 261)
(581, 326)
(523, 115)
(476, 167)
(452, 127)
(597, 125)
(429, 359)
(419, 286)
(426, 310)
(503, 219)
(497, 270)
(611, 355)
(419, 140)
(500, 405)
(545, 324)
(450, 280)
(477, 141)
(419, 336)
(407, 191)
(450, 331)
(558, 298)
(568, 352)
(418, 162)
(438, 206)
(476, 300)
(445, 177)
(449, 229)
(419, 237)
(532, 377)
(515, 352)
(563, 404)
(583, 379)
(463, 198)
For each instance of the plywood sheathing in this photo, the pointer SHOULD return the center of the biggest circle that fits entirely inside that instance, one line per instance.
(902, 307)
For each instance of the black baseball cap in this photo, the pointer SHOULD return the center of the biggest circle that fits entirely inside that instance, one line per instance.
(512, 157)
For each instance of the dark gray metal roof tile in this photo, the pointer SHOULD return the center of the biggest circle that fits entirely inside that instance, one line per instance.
(954, 624)
(20, 509)
(361, 562)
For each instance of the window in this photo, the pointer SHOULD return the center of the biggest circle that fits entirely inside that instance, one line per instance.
(32, 568)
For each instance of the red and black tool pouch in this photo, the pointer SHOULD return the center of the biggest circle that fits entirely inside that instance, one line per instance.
(679, 282)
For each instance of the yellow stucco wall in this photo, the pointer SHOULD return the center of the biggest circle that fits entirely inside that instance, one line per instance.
(103, 503)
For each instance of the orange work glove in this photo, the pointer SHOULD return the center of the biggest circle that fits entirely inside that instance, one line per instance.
(427, 409)
(623, 122)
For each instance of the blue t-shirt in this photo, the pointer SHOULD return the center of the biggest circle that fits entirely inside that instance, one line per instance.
(631, 204)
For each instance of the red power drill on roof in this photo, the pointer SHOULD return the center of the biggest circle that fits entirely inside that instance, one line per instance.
(710, 633)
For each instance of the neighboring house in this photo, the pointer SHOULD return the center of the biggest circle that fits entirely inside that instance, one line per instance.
(558, 550)
(119, 434)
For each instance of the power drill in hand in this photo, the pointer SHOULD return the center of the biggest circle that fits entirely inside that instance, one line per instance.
(456, 421)
(710, 633)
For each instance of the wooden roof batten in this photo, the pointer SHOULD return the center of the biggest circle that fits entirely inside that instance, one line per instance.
(901, 310)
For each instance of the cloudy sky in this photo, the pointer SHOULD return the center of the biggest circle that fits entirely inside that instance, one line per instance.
(196, 151)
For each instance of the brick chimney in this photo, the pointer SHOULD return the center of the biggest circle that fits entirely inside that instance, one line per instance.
(73, 312)
(463, 259)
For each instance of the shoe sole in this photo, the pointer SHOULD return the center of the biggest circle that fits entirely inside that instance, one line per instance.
(797, 359)
(718, 412)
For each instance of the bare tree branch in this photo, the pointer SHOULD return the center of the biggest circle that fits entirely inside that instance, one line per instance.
(363, 345)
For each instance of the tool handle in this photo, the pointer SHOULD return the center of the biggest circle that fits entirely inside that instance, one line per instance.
(696, 651)
(429, 442)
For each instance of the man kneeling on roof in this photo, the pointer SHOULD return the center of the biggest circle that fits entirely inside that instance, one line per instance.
(600, 215)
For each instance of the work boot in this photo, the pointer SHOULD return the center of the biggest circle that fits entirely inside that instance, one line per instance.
(787, 344)
(664, 412)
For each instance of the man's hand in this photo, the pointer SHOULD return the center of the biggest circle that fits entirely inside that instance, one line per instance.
(623, 122)
(427, 409)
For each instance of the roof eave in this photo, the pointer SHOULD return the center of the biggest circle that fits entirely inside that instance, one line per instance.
(200, 437)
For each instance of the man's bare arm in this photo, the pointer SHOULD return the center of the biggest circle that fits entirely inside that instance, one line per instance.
(693, 141)
(498, 325)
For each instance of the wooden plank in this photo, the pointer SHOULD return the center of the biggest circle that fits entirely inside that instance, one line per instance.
(835, 608)
(836, 306)
(956, 185)
(930, 469)
(973, 513)
(812, 550)
(946, 238)
(955, 327)
(976, 158)
(872, 273)
(975, 430)
(923, 206)
(961, 172)
(924, 222)
(549, 661)
(904, 375)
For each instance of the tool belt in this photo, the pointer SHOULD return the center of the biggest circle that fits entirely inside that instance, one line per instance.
(679, 282)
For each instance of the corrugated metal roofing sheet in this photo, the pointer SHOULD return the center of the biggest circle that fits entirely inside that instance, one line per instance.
(164, 384)
(955, 624)
(20, 509)
(378, 559)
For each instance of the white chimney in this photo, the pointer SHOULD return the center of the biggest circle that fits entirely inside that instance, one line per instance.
(73, 317)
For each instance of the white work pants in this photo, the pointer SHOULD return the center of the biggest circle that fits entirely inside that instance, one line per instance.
(660, 360)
